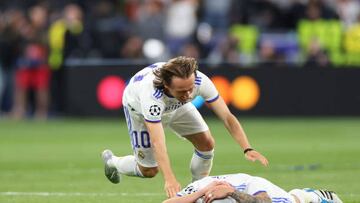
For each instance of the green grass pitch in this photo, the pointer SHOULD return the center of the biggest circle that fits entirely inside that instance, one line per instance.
(59, 161)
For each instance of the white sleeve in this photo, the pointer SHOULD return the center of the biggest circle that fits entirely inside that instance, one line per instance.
(207, 88)
(189, 189)
(151, 108)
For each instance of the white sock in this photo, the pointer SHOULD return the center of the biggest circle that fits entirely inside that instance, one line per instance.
(304, 196)
(201, 164)
(127, 165)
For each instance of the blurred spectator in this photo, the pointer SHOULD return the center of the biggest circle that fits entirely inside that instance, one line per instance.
(2, 84)
(268, 54)
(120, 29)
(226, 51)
(11, 21)
(352, 45)
(132, 48)
(216, 14)
(262, 13)
(316, 57)
(317, 9)
(150, 21)
(190, 50)
(65, 36)
(131, 9)
(313, 12)
(283, 4)
(66, 40)
(180, 25)
(206, 40)
(352, 39)
(269, 16)
(349, 11)
(246, 37)
(74, 44)
(109, 31)
(32, 71)
(2, 81)
(295, 13)
(278, 48)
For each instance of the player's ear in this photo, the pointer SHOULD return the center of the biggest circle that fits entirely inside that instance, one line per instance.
(166, 86)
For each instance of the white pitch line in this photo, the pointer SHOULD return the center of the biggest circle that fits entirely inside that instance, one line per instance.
(75, 194)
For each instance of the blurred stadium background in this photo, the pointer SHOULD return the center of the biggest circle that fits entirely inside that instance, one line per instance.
(289, 69)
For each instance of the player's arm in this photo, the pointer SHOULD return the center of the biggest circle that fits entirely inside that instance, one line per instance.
(235, 129)
(190, 198)
(185, 199)
(262, 197)
(157, 137)
(226, 190)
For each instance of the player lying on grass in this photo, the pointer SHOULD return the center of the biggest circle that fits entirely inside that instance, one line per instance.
(245, 188)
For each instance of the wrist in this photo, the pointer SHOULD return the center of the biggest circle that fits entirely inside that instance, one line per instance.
(170, 178)
(231, 191)
(248, 150)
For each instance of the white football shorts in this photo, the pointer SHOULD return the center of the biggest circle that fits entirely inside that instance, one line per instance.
(184, 121)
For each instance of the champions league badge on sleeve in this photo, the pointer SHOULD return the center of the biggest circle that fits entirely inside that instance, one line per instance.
(189, 189)
(154, 110)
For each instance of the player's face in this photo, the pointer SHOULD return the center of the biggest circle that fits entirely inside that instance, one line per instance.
(181, 88)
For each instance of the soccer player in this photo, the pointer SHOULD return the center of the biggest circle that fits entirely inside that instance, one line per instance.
(158, 96)
(244, 188)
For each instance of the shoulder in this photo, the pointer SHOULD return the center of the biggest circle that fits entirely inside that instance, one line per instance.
(200, 74)
(156, 65)
(203, 80)
(199, 78)
(157, 94)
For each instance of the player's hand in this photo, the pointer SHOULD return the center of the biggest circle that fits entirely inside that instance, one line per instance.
(171, 188)
(219, 191)
(212, 185)
(254, 155)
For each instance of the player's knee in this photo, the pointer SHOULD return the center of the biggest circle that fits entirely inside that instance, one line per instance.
(209, 144)
(150, 172)
(202, 141)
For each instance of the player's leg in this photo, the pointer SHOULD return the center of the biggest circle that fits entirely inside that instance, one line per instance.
(201, 161)
(115, 166)
(142, 163)
(188, 123)
(22, 84)
(41, 85)
(315, 196)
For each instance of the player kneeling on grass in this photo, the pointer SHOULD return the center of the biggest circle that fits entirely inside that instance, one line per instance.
(245, 188)
(160, 96)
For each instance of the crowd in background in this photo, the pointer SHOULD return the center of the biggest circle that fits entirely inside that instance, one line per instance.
(38, 36)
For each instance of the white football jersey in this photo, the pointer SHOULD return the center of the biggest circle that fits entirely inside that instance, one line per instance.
(251, 185)
(142, 97)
